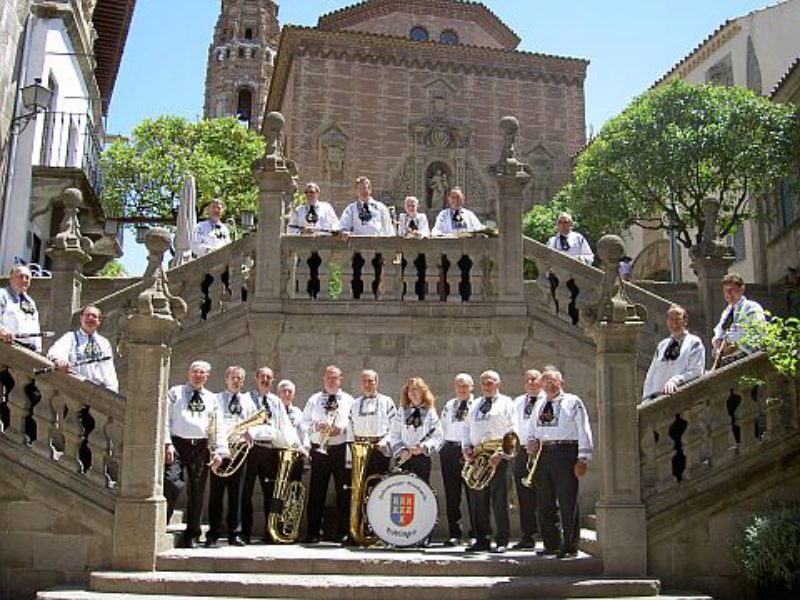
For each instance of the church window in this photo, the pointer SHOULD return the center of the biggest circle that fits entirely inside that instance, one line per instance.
(248, 34)
(244, 105)
(418, 34)
(448, 36)
(241, 52)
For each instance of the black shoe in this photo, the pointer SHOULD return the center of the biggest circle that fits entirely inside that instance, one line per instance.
(567, 553)
(546, 552)
(188, 543)
(211, 542)
(347, 541)
(311, 539)
(246, 539)
(500, 549)
(236, 541)
(478, 547)
(524, 545)
(453, 541)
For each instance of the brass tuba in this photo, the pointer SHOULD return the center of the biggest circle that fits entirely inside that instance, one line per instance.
(238, 449)
(288, 501)
(360, 487)
(478, 473)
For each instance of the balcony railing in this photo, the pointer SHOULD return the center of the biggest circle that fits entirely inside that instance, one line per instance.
(71, 140)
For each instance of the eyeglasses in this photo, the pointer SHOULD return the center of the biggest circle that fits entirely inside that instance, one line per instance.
(311, 191)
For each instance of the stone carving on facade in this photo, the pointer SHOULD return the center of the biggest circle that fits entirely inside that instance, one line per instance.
(404, 180)
(69, 236)
(438, 185)
(721, 73)
(333, 151)
(541, 162)
(475, 190)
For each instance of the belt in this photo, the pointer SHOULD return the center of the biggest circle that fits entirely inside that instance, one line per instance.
(263, 443)
(373, 439)
(190, 441)
(452, 442)
(546, 443)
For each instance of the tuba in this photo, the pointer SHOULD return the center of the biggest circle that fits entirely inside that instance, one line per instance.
(360, 487)
(238, 449)
(288, 501)
(478, 473)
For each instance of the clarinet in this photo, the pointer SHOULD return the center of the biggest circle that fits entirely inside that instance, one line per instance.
(78, 363)
(42, 334)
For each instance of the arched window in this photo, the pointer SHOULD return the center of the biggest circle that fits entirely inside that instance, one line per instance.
(418, 34)
(244, 105)
(248, 34)
(448, 36)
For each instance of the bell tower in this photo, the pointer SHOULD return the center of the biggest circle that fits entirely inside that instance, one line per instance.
(240, 60)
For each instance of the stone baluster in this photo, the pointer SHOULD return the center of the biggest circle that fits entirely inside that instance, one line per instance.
(99, 447)
(73, 433)
(711, 260)
(615, 323)
(274, 176)
(57, 438)
(46, 422)
(113, 463)
(69, 252)
(512, 177)
(235, 281)
(140, 514)
(17, 405)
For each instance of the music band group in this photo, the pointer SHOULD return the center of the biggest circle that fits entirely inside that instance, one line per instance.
(258, 436)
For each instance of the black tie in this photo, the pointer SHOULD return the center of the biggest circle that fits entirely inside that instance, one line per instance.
(486, 407)
(415, 418)
(91, 349)
(458, 219)
(412, 225)
(562, 240)
(673, 350)
(267, 411)
(726, 324)
(234, 406)
(547, 415)
(461, 411)
(196, 404)
(311, 217)
(364, 213)
(331, 403)
(529, 406)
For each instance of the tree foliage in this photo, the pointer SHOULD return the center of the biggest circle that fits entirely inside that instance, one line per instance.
(779, 338)
(144, 174)
(677, 145)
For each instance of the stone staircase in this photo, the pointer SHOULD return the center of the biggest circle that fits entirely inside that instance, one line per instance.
(329, 571)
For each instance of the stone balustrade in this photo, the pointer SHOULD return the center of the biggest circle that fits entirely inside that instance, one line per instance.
(713, 423)
(389, 269)
(40, 418)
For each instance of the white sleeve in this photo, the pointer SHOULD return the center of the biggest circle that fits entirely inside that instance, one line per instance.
(346, 220)
(585, 445)
(62, 348)
(436, 437)
(647, 389)
(439, 225)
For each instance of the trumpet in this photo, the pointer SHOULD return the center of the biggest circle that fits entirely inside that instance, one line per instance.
(533, 460)
(325, 436)
(478, 473)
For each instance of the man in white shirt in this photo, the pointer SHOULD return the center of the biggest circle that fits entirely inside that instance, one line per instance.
(453, 418)
(188, 412)
(679, 358)
(85, 345)
(366, 216)
(371, 416)
(314, 216)
(730, 328)
(456, 219)
(326, 417)
(523, 409)
(19, 318)
(286, 392)
(490, 417)
(560, 429)
(412, 223)
(211, 234)
(571, 242)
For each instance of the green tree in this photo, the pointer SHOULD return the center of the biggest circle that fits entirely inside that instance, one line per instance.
(144, 174)
(112, 269)
(673, 147)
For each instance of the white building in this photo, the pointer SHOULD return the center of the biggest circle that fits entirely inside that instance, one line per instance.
(72, 48)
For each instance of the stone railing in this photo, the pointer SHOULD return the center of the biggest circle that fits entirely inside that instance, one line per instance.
(71, 430)
(210, 285)
(389, 269)
(567, 287)
(712, 424)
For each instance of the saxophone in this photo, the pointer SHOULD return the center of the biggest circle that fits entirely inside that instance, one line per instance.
(288, 501)
(238, 449)
(360, 486)
(478, 473)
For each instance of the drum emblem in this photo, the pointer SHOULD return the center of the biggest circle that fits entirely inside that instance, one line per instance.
(402, 509)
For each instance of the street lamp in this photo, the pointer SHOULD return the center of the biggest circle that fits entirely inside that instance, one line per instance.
(248, 218)
(35, 98)
(141, 231)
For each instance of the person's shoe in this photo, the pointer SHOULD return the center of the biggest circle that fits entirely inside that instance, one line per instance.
(524, 545)
(212, 542)
(567, 553)
(236, 541)
(546, 552)
(347, 541)
(500, 549)
(188, 543)
(248, 541)
(311, 539)
(477, 547)
(453, 541)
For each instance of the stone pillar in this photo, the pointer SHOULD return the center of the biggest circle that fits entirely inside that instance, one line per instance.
(69, 252)
(615, 324)
(140, 514)
(711, 260)
(274, 175)
(512, 177)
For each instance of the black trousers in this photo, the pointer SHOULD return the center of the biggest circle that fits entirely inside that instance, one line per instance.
(419, 465)
(494, 497)
(322, 467)
(452, 463)
(262, 465)
(557, 494)
(191, 466)
(218, 486)
(526, 497)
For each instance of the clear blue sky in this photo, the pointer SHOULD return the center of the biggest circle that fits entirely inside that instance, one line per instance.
(629, 43)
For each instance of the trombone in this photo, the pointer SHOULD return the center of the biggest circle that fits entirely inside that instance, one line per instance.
(533, 461)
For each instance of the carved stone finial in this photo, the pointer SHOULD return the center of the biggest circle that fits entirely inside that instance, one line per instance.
(508, 163)
(70, 238)
(156, 240)
(710, 246)
(614, 305)
(273, 159)
(710, 208)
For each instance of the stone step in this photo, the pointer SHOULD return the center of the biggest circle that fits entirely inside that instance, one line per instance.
(367, 587)
(331, 559)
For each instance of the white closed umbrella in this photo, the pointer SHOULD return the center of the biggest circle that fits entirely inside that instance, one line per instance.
(187, 221)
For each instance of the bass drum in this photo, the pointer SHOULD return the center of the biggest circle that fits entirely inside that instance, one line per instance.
(402, 509)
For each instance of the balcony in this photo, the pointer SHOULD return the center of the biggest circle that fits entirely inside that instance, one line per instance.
(71, 141)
